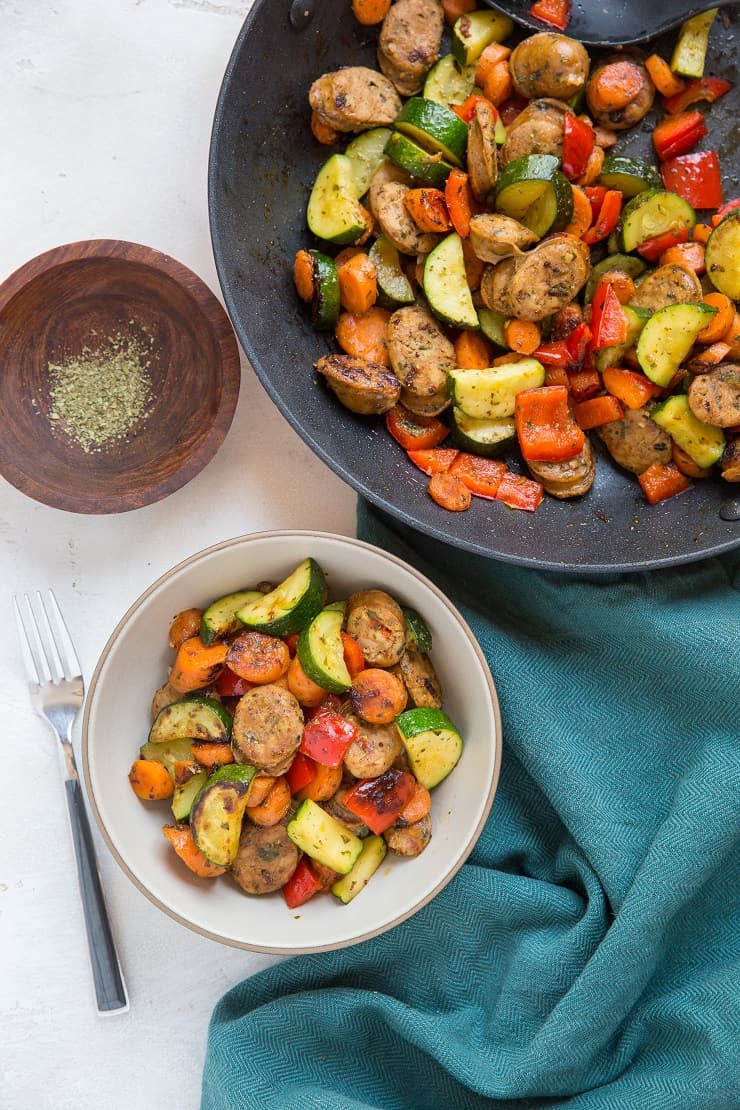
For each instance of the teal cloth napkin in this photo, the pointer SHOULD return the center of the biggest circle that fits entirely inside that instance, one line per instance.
(588, 953)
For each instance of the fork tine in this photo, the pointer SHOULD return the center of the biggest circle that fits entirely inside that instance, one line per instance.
(48, 642)
(63, 640)
(29, 660)
(32, 637)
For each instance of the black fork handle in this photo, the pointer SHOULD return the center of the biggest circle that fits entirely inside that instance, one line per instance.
(110, 990)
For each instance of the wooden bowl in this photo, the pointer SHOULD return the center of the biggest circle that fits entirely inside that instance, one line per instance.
(79, 296)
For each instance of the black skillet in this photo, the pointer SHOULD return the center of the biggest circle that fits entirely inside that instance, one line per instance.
(263, 161)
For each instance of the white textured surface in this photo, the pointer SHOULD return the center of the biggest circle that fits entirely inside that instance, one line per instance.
(106, 116)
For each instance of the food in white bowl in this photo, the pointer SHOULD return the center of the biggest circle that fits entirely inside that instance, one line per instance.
(118, 722)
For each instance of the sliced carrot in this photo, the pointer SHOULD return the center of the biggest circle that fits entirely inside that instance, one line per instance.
(365, 335)
(428, 209)
(303, 275)
(184, 769)
(710, 356)
(369, 12)
(700, 233)
(449, 493)
(597, 411)
(345, 254)
(418, 806)
(582, 214)
(498, 84)
(304, 689)
(181, 839)
(196, 665)
(322, 132)
(481, 476)
(732, 336)
(434, 460)
(621, 283)
(593, 167)
(211, 753)
(661, 481)
(631, 388)
(453, 9)
(722, 319)
(354, 660)
(494, 53)
(185, 625)
(665, 80)
(323, 785)
(259, 788)
(522, 336)
(150, 780)
(274, 807)
(461, 204)
(503, 360)
(259, 658)
(688, 255)
(377, 696)
(473, 351)
(614, 86)
(686, 464)
(358, 283)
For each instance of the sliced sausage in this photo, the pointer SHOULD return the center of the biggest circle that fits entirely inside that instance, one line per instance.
(567, 479)
(373, 751)
(409, 840)
(409, 41)
(354, 99)
(165, 695)
(386, 172)
(362, 386)
(548, 64)
(432, 405)
(714, 398)
(536, 130)
(494, 286)
(636, 441)
(265, 860)
(548, 277)
(730, 461)
(336, 807)
(482, 151)
(493, 236)
(667, 285)
(628, 74)
(396, 223)
(420, 352)
(268, 725)
(420, 679)
(376, 621)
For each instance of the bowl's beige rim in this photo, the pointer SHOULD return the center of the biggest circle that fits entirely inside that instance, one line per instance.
(284, 534)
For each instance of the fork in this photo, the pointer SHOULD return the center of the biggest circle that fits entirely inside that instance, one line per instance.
(57, 689)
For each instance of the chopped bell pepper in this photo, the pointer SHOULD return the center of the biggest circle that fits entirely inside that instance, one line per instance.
(554, 354)
(608, 217)
(511, 108)
(578, 145)
(701, 88)
(301, 886)
(231, 685)
(301, 771)
(379, 801)
(652, 249)
(327, 736)
(437, 460)
(466, 110)
(596, 411)
(595, 194)
(695, 177)
(725, 210)
(545, 426)
(555, 13)
(630, 387)
(661, 481)
(609, 323)
(676, 134)
(584, 382)
(519, 493)
(413, 431)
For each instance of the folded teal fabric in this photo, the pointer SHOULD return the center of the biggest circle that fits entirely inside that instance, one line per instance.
(588, 953)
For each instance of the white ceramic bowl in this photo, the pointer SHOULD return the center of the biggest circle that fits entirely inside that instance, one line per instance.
(135, 662)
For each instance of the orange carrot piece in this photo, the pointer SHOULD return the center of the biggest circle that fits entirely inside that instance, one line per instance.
(322, 132)
(210, 753)
(365, 335)
(582, 214)
(274, 807)
(303, 688)
(418, 806)
(522, 336)
(453, 9)
(661, 481)
(688, 255)
(502, 360)
(185, 625)
(181, 839)
(557, 375)
(303, 275)
(259, 788)
(323, 785)
(686, 464)
(377, 696)
(630, 387)
(494, 53)
(473, 351)
(621, 283)
(428, 209)
(732, 336)
(593, 167)
(449, 492)
(498, 85)
(614, 86)
(709, 357)
(358, 283)
(150, 780)
(665, 80)
(700, 233)
(196, 665)
(354, 660)
(369, 12)
(597, 411)
(461, 204)
(722, 319)
(259, 658)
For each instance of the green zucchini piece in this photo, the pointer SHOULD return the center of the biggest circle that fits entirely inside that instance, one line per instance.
(186, 793)
(427, 168)
(193, 718)
(667, 338)
(703, 442)
(392, 281)
(365, 152)
(435, 127)
(291, 605)
(492, 325)
(490, 393)
(630, 175)
(690, 52)
(321, 651)
(334, 211)
(373, 853)
(534, 191)
(448, 82)
(627, 263)
(653, 213)
(446, 284)
(488, 438)
(433, 744)
(473, 32)
(722, 256)
(220, 619)
(323, 838)
(325, 302)
(217, 812)
(418, 635)
(174, 751)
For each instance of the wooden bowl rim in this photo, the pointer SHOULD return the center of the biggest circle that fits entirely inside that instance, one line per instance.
(225, 342)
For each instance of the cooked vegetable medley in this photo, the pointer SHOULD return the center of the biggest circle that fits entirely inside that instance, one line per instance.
(501, 281)
(296, 740)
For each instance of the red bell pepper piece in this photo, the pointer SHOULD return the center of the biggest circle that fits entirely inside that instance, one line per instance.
(545, 426)
(414, 432)
(301, 771)
(466, 110)
(331, 701)
(676, 134)
(607, 219)
(555, 13)
(435, 461)
(609, 324)
(354, 660)
(519, 493)
(584, 383)
(231, 685)
(695, 177)
(595, 194)
(578, 341)
(481, 476)
(652, 249)
(578, 145)
(556, 375)
(302, 885)
(632, 388)
(327, 736)
(596, 411)
(661, 481)
(511, 108)
(379, 801)
(291, 642)
(461, 204)
(725, 210)
(701, 88)
(554, 354)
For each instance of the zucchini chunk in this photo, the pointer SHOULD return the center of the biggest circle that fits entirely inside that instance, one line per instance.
(170, 753)
(627, 263)
(653, 213)
(446, 284)
(630, 175)
(488, 438)
(323, 838)
(667, 338)
(703, 442)
(534, 191)
(325, 302)
(194, 718)
(321, 651)
(723, 256)
(365, 152)
(490, 394)
(217, 812)
(492, 325)
(690, 52)
(185, 794)
(428, 168)
(291, 605)
(418, 635)
(393, 284)
(435, 127)
(374, 850)
(220, 619)
(473, 32)
(433, 744)
(334, 211)
(612, 356)
(449, 82)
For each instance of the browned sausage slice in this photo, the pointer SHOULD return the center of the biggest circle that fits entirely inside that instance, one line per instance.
(482, 151)
(714, 398)
(636, 441)
(667, 285)
(376, 621)
(268, 725)
(536, 130)
(493, 236)
(396, 223)
(567, 479)
(386, 173)
(422, 405)
(548, 277)
(548, 64)
(420, 352)
(374, 749)
(164, 696)
(354, 99)
(495, 285)
(362, 386)
(409, 41)
(265, 860)
(730, 461)
(619, 119)
(420, 679)
(410, 840)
